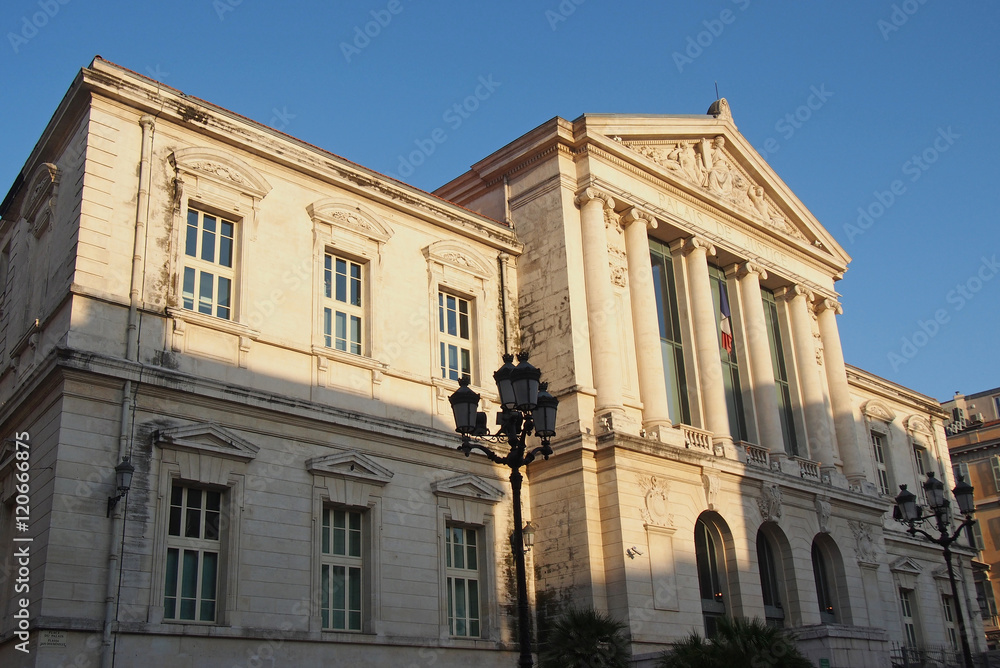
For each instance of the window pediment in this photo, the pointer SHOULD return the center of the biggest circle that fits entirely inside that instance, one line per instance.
(877, 410)
(344, 216)
(467, 486)
(917, 424)
(222, 169)
(210, 439)
(351, 464)
(39, 205)
(905, 565)
(461, 257)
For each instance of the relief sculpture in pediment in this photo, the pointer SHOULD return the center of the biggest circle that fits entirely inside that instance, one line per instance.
(705, 163)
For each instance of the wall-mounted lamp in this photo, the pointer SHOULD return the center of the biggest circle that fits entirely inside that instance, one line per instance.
(528, 535)
(123, 477)
(632, 552)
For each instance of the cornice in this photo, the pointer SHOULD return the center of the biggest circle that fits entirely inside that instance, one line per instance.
(168, 105)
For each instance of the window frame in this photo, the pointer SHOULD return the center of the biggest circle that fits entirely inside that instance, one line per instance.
(879, 442)
(448, 341)
(772, 581)
(733, 381)
(349, 562)
(200, 545)
(197, 266)
(333, 306)
(671, 338)
(780, 367)
(455, 573)
(908, 616)
(948, 618)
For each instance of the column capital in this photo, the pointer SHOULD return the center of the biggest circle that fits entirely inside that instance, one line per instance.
(791, 292)
(751, 267)
(694, 243)
(637, 215)
(147, 121)
(590, 193)
(831, 304)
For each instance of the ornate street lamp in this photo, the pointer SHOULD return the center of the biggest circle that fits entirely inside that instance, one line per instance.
(908, 512)
(526, 408)
(123, 482)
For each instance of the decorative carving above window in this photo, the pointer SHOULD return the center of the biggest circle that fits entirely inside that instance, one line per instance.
(343, 217)
(874, 409)
(917, 425)
(460, 257)
(39, 207)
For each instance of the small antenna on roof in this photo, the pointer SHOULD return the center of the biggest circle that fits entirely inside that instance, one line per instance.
(716, 90)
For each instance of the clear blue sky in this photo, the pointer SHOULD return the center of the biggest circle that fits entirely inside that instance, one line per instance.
(903, 79)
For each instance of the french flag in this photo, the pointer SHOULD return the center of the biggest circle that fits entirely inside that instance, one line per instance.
(725, 325)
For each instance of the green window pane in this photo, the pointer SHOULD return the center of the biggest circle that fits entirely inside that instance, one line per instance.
(170, 587)
(226, 245)
(473, 608)
(206, 292)
(451, 606)
(355, 284)
(354, 589)
(326, 532)
(208, 579)
(460, 607)
(189, 584)
(441, 313)
(328, 327)
(225, 293)
(466, 369)
(187, 290)
(444, 366)
(191, 238)
(325, 594)
(340, 321)
(208, 239)
(341, 285)
(328, 276)
(355, 335)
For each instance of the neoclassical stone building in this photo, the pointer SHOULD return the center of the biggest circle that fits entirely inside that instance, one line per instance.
(270, 333)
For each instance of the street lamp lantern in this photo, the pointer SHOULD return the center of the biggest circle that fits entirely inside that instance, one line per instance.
(524, 378)
(465, 405)
(526, 407)
(963, 495)
(934, 489)
(908, 512)
(906, 501)
(123, 482)
(505, 386)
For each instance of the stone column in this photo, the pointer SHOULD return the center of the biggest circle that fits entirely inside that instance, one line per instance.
(759, 351)
(602, 316)
(817, 423)
(840, 393)
(706, 339)
(646, 328)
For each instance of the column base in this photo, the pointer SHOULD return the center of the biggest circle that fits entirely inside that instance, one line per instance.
(725, 447)
(658, 431)
(831, 476)
(782, 462)
(611, 420)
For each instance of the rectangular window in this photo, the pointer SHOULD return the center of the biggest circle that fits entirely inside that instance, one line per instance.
(727, 351)
(949, 621)
(342, 310)
(462, 571)
(781, 385)
(341, 569)
(455, 337)
(671, 349)
(995, 464)
(920, 458)
(909, 624)
(881, 471)
(192, 573)
(209, 246)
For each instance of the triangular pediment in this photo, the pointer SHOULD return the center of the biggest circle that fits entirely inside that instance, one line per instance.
(350, 464)
(706, 157)
(905, 565)
(207, 438)
(467, 486)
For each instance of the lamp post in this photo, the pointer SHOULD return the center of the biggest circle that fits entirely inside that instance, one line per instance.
(526, 407)
(908, 512)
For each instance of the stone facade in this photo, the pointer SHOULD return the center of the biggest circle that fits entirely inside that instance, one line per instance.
(270, 334)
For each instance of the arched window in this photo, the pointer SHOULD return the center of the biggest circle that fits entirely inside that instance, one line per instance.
(828, 572)
(710, 553)
(771, 582)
